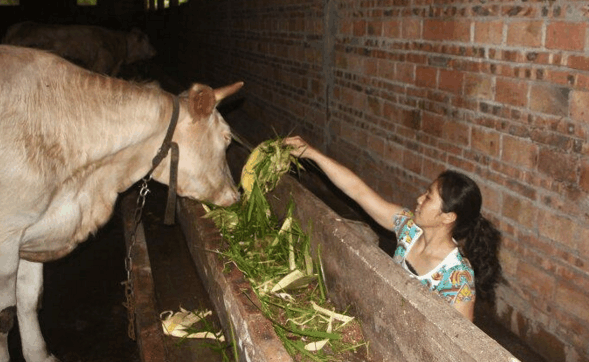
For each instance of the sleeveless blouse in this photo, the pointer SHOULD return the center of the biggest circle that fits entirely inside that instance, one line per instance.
(452, 279)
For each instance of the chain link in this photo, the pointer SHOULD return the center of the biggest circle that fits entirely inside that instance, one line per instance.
(128, 284)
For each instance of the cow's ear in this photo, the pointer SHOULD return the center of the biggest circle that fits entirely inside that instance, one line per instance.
(201, 99)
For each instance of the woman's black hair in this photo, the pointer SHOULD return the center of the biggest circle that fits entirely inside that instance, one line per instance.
(477, 238)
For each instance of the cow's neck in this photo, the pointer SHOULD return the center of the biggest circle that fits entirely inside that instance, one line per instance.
(136, 153)
(124, 133)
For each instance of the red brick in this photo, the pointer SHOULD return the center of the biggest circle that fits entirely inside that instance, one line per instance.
(558, 77)
(412, 161)
(386, 69)
(426, 77)
(389, 112)
(566, 36)
(560, 166)
(511, 92)
(520, 210)
(583, 236)
(391, 29)
(432, 168)
(370, 66)
(491, 197)
(489, 32)
(578, 62)
(556, 227)
(409, 118)
(535, 279)
(582, 81)
(519, 152)
(584, 180)
(376, 144)
(580, 106)
(411, 29)
(432, 124)
(546, 98)
(446, 30)
(374, 105)
(405, 73)
(507, 257)
(456, 132)
(359, 28)
(356, 63)
(341, 61)
(525, 33)
(375, 28)
(478, 86)
(485, 141)
(451, 81)
(573, 300)
(346, 27)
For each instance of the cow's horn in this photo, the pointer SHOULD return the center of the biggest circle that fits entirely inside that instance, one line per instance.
(224, 92)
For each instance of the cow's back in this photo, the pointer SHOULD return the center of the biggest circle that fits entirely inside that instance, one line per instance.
(22, 34)
(44, 97)
(92, 47)
(29, 116)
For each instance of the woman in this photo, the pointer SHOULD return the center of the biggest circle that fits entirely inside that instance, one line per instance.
(444, 243)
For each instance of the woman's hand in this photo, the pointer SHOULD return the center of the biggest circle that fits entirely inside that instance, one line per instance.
(300, 147)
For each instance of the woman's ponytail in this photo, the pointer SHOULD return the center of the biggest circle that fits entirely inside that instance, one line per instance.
(481, 248)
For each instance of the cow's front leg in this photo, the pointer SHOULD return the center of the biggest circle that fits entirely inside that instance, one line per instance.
(8, 267)
(29, 286)
(7, 316)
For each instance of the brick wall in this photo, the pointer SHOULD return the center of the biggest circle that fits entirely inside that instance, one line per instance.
(399, 90)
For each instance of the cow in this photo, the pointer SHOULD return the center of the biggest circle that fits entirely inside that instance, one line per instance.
(96, 48)
(71, 140)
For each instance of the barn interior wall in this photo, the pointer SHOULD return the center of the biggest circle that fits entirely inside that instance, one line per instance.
(399, 90)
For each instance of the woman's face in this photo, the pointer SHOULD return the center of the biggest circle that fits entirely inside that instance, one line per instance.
(428, 212)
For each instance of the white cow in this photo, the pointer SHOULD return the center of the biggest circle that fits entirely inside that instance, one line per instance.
(70, 142)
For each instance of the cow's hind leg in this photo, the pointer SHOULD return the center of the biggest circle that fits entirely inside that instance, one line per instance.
(29, 286)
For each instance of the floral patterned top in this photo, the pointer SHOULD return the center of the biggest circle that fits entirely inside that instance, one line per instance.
(452, 279)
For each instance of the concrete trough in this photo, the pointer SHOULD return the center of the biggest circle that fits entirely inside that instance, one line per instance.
(400, 319)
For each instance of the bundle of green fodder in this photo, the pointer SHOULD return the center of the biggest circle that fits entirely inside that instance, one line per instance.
(275, 257)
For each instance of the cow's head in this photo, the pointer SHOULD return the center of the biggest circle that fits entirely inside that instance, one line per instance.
(203, 137)
(138, 47)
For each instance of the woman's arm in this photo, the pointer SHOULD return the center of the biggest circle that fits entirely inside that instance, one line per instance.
(379, 209)
(466, 309)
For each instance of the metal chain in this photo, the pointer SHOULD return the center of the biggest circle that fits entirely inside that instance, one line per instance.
(130, 300)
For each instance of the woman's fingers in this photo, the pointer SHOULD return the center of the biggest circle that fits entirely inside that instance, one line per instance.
(298, 144)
